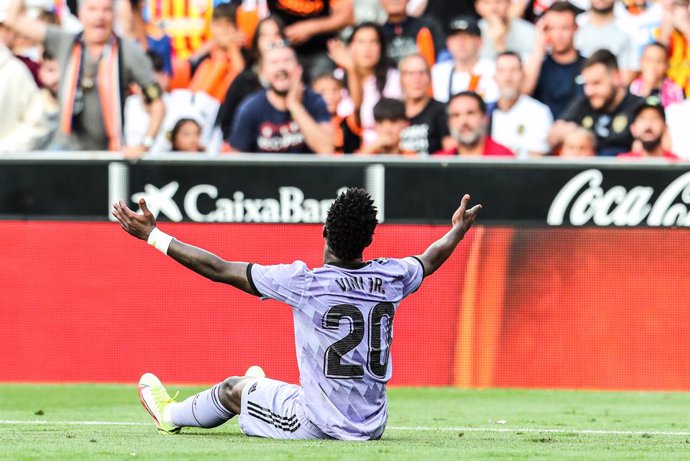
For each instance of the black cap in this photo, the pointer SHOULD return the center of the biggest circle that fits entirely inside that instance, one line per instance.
(652, 102)
(466, 24)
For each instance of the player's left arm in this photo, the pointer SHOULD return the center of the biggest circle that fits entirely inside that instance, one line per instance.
(438, 252)
(143, 226)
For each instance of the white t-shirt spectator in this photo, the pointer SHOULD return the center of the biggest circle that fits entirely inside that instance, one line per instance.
(612, 37)
(370, 97)
(22, 123)
(642, 28)
(677, 116)
(447, 82)
(523, 128)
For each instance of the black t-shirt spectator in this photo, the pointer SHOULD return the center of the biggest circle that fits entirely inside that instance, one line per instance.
(260, 127)
(612, 129)
(558, 85)
(426, 130)
(244, 84)
(402, 39)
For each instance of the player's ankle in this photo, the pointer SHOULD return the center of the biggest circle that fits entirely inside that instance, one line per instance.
(166, 414)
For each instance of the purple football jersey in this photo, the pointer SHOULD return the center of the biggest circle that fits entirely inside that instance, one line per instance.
(343, 332)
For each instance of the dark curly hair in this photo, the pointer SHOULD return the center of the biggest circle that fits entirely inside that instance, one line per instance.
(350, 224)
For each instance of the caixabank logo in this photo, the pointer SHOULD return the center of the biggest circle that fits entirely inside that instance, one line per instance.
(289, 206)
(584, 200)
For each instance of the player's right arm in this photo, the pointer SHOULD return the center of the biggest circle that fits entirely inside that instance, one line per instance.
(439, 251)
(200, 261)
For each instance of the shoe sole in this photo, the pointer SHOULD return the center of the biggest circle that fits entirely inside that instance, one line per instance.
(155, 420)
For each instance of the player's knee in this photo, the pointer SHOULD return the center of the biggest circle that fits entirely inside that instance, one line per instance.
(231, 393)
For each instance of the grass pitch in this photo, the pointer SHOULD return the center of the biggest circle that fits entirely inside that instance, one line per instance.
(82, 422)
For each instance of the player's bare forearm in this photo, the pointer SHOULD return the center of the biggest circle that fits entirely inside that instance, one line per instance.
(438, 252)
(211, 266)
(143, 226)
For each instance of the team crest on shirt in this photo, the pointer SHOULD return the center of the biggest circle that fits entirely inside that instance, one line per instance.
(620, 123)
(521, 129)
(588, 122)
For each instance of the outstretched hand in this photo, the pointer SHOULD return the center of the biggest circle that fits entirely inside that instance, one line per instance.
(464, 218)
(138, 225)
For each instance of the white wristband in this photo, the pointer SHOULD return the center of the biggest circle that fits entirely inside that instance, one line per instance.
(159, 240)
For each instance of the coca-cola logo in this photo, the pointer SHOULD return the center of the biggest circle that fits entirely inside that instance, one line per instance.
(589, 202)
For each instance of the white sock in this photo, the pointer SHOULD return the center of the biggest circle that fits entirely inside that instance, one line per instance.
(201, 410)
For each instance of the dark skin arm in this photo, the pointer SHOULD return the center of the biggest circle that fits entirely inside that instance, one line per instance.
(200, 261)
(439, 251)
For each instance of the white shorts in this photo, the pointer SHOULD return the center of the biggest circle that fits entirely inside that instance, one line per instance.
(273, 409)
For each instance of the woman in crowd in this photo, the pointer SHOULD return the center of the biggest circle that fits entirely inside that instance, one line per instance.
(269, 30)
(653, 81)
(369, 74)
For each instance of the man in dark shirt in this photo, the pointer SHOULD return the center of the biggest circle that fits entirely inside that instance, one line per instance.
(406, 35)
(607, 108)
(552, 78)
(285, 118)
(427, 131)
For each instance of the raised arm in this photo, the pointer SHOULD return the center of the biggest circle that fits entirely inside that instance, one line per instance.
(439, 251)
(143, 226)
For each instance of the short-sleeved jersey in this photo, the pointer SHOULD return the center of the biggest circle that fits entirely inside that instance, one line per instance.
(343, 321)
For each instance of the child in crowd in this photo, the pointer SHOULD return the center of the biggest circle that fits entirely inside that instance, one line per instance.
(186, 136)
(389, 122)
(653, 81)
(579, 143)
(347, 131)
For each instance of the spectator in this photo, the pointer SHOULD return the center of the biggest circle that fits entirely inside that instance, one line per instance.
(49, 74)
(553, 68)
(579, 143)
(9, 38)
(518, 121)
(649, 129)
(310, 25)
(368, 73)
(283, 118)
(98, 69)
(427, 131)
(406, 35)
(186, 136)
(677, 116)
(213, 71)
(606, 108)
(440, 10)
(675, 31)
(269, 30)
(653, 81)
(149, 36)
(390, 122)
(467, 122)
(347, 132)
(21, 121)
(467, 71)
(501, 32)
(598, 30)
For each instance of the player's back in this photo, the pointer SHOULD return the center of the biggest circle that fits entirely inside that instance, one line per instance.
(343, 332)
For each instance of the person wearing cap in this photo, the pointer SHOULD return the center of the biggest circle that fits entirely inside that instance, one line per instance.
(649, 129)
(501, 32)
(467, 71)
(406, 35)
(97, 68)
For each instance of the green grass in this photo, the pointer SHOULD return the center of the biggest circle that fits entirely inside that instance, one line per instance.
(456, 416)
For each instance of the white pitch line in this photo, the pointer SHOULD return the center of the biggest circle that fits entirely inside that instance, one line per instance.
(393, 428)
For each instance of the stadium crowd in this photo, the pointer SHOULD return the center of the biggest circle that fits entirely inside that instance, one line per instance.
(512, 78)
